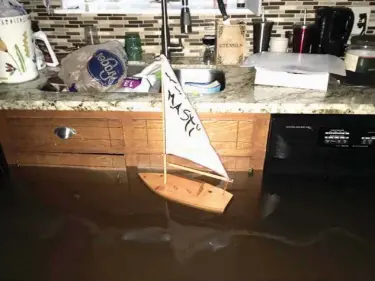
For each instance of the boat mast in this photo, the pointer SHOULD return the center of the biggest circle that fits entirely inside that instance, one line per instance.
(164, 131)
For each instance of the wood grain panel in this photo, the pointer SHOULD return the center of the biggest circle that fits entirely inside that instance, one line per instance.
(68, 122)
(114, 123)
(260, 134)
(70, 145)
(244, 145)
(117, 144)
(116, 133)
(70, 159)
(216, 130)
(5, 140)
(242, 163)
(138, 134)
(225, 147)
(156, 160)
(154, 135)
(221, 130)
(203, 116)
(34, 133)
(257, 163)
(143, 160)
(245, 131)
(154, 124)
(118, 161)
(229, 163)
(138, 123)
(155, 145)
(136, 146)
(94, 135)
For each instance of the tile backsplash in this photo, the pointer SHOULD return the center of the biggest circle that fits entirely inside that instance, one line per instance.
(65, 31)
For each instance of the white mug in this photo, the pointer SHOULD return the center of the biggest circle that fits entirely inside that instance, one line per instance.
(278, 44)
(17, 51)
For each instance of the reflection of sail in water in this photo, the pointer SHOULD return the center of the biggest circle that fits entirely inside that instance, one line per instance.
(184, 132)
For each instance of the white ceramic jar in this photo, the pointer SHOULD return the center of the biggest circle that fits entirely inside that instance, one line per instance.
(17, 51)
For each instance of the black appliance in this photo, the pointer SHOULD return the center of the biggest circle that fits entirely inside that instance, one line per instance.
(3, 167)
(334, 25)
(334, 146)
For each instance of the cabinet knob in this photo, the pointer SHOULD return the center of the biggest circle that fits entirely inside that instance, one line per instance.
(64, 133)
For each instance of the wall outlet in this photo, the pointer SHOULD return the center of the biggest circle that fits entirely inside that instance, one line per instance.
(361, 20)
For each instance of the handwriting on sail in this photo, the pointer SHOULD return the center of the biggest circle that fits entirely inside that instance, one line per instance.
(185, 134)
(183, 113)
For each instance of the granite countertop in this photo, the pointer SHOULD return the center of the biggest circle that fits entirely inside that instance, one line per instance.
(240, 95)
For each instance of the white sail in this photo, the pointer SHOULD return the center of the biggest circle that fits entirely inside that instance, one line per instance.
(184, 132)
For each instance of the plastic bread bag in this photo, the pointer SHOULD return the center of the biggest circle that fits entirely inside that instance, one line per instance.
(95, 68)
(11, 8)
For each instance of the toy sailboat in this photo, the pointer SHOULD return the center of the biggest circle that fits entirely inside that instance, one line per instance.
(184, 136)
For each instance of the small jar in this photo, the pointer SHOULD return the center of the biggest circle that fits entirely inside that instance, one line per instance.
(91, 35)
(209, 54)
(133, 46)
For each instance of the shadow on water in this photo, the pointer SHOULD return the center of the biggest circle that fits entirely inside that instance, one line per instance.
(81, 224)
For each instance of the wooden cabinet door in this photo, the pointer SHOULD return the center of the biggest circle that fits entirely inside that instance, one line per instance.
(92, 135)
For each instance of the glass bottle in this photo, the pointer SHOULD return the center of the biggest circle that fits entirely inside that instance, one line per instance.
(133, 46)
(209, 54)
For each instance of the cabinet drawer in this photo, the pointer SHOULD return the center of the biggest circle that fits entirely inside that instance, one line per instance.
(91, 135)
(70, 160)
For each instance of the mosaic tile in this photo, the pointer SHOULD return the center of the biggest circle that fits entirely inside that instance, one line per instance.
(66, 31)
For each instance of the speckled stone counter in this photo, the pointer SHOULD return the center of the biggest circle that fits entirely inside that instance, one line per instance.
(240, 95)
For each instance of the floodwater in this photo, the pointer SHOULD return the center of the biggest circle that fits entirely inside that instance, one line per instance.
(79, 224)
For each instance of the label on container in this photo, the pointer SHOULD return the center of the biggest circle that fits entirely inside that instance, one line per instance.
(43, 47)
(131, 82)
(105, 67)
(230, 44)
(351, 62)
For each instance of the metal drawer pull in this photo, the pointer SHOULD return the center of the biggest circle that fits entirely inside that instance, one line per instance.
(64, 132)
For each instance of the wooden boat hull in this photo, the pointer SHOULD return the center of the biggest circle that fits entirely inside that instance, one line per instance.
(192, 193)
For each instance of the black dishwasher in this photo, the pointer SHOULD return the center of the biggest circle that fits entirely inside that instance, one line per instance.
(3, 168)
(338, 148)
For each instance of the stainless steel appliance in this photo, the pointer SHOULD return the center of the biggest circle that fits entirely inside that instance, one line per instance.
(334, 25)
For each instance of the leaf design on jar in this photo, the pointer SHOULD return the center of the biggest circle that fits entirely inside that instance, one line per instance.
(25, 42)
(3, 47)
(10, 68)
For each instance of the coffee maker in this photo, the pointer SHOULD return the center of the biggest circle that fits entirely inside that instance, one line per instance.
(333, 27)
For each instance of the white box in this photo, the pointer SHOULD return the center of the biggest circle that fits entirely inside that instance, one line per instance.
(314, 81)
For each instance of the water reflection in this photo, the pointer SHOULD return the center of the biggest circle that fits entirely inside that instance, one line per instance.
(78, 224)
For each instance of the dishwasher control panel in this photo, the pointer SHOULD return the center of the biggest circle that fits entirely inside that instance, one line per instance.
(346, 137)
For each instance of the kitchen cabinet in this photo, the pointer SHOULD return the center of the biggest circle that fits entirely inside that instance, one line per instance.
(128, 142)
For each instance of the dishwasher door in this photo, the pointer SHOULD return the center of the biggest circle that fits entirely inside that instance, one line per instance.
(3, 167)
(341, 146)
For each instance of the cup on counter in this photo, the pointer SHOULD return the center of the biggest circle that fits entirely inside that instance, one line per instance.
(133, 46)
(279, 45)
(261, 35)
(91, 35)
(304, 37)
